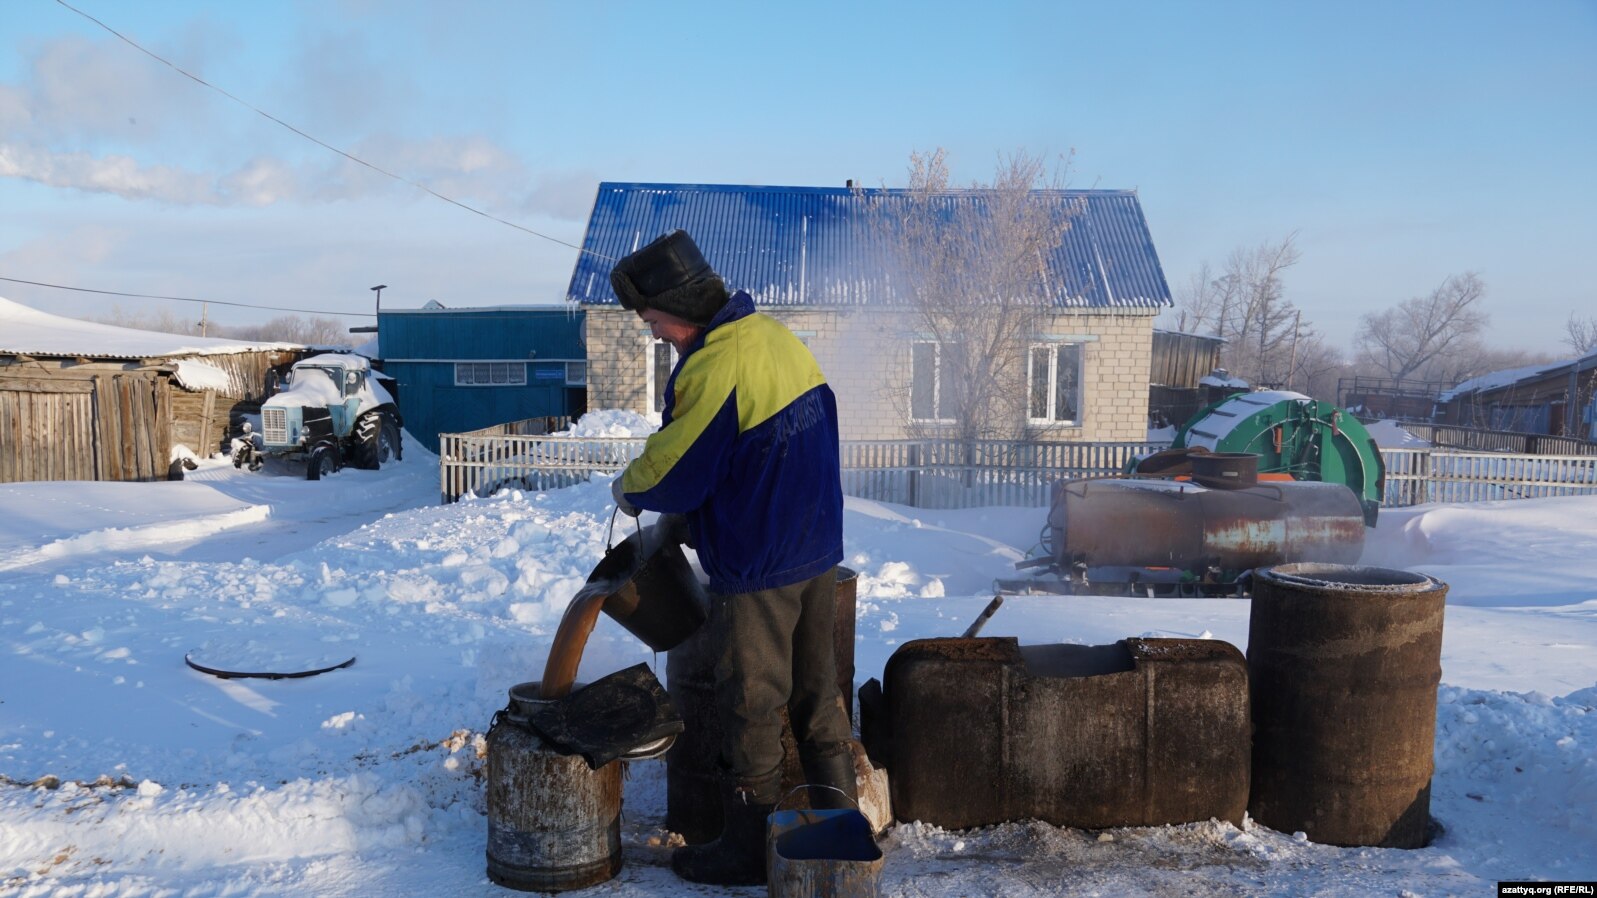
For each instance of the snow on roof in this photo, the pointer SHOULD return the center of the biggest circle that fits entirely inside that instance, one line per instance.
(27, 331)
(1498, 379)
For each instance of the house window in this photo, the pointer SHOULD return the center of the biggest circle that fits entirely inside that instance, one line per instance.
(576, 374)
(931, 382)
(490, 374)
(662, 358)
(1053, 373)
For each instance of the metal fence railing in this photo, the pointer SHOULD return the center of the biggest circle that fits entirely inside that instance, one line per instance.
(950, 474)
(1449, 436)
(954, 474)
(1418, 476)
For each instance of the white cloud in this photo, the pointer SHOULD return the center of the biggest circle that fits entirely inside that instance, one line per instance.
(115, 174)
(87, 116)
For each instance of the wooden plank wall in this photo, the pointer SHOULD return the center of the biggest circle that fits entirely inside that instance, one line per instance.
(46, 427)
(112, 426)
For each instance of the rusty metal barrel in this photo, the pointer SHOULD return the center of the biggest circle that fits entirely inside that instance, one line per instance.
(1142, 732)
(693, 805)
(1344, 662)
(554, 823)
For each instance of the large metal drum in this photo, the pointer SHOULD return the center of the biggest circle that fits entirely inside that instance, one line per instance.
(1181, 523)
(1344, 663)
(693, 804)
(554, 824)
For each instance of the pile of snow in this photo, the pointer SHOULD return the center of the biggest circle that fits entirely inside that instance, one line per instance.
(611, 423)
(123, 772)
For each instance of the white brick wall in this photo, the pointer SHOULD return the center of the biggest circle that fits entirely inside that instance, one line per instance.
(865, 356)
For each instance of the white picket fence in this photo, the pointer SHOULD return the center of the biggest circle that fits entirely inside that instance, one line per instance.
(949, 474)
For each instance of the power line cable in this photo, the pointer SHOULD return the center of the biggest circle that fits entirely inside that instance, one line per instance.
(487, 314)
(214, 302)
(351, 157)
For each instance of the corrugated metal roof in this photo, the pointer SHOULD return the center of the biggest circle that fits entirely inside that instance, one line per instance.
(823, 246)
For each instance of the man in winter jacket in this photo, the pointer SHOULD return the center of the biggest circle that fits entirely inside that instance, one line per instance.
(748, 452)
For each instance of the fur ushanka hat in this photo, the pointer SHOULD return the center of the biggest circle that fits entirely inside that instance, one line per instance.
(671, 275)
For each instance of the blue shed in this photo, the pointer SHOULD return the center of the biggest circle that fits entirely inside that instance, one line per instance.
(463, 369)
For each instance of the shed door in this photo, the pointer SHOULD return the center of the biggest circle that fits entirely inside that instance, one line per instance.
(46, 430)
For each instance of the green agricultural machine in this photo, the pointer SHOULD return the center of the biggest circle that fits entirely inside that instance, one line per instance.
(1293, 434)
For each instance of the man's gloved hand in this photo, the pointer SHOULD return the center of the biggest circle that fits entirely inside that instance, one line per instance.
(627, 508)
(675, 527)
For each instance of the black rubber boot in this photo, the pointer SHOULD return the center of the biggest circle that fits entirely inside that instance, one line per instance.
(830, 764)
(737, 858)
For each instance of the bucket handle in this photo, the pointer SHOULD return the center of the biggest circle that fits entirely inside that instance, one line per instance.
(609, 531)
(778, 805)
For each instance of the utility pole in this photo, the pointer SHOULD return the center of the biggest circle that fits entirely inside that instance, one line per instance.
(379, 291)
(1292, 367)
(204, 307)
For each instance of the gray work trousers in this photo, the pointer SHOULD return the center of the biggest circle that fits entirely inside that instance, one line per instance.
(777, 649)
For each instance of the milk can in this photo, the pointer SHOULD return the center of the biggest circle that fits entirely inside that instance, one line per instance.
(554, 824)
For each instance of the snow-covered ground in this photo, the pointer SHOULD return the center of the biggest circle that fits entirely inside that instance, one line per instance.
(125, 773)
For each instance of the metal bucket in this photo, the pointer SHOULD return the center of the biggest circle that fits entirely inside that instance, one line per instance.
(829, 853)
(693, 806)
(554, 824)
(1344, 662)
(1225, 470)
(651, 589)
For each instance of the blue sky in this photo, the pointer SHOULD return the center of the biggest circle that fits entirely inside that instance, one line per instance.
(1402, 142)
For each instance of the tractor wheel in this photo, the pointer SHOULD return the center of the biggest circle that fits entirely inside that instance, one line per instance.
(378, 440)
(323, 461)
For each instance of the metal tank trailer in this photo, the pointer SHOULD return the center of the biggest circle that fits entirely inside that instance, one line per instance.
(1255, 480)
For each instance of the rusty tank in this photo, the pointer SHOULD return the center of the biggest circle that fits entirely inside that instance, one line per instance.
(554, 823)
(1186, 526)
(1344, 664)
(1142, 732)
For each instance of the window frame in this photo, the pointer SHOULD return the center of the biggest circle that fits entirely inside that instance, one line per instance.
(654, 388)
(939, 411)
(1049, 417)
(472, 369)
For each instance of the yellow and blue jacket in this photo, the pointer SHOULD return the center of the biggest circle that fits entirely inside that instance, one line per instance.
(748, 451)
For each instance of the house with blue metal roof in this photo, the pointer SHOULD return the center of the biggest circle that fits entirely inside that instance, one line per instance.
(819, 260)
(459, 370)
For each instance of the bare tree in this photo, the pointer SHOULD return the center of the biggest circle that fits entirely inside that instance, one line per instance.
(1581, 334)
(1246, 305)
(316, 331)
(1421, 337)
(971, 264)
(159, 320)
(1198, 303)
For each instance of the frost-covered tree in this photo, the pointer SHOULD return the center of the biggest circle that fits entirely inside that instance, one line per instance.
(1427, 337)
(970, 264)
(1245, 304)
(1581, 334)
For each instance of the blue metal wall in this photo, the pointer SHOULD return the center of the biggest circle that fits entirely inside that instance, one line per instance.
(419, 348)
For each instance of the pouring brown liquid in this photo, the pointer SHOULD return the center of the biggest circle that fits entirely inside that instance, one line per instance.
(571, 638)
